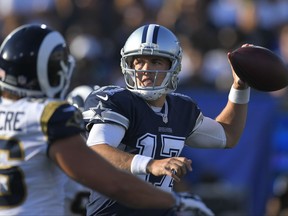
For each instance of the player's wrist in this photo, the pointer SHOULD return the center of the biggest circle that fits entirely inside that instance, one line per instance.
(239, 96)
(240, 85)
(139, 164)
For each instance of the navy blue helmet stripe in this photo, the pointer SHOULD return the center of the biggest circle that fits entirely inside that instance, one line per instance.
(150, 34)
(155, 34)
(144, 35)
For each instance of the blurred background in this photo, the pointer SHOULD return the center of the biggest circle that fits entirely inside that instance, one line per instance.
(250, 179)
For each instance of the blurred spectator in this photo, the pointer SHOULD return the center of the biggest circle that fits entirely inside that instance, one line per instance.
(277, 205)
(223, 13)
(216, 70)
(191, 63)
(97, 30)
(282, 50)
(272, 13)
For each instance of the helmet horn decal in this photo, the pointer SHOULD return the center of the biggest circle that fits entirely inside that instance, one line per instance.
(52, 40)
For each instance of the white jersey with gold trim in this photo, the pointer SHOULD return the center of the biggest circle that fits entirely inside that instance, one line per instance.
(30, 182)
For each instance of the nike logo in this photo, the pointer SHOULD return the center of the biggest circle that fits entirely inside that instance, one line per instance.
(105, 98)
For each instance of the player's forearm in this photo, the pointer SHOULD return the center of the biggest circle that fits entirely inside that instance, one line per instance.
(126, 188)
(130, 190)
(139, 194)
(117, 158)
(233, 120)
(100, 176)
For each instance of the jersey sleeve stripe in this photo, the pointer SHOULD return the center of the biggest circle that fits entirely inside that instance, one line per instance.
(107, 116)
(47, 113)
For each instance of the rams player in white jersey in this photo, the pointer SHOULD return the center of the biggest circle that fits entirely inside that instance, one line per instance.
(142, 128)
(39, 133)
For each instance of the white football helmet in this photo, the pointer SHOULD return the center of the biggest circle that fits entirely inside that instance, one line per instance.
(79, 94)
(152, 40)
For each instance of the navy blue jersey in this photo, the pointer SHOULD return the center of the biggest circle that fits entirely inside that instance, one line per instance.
(157, 135)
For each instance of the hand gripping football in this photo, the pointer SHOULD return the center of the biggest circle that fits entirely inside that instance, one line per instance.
(259, 67)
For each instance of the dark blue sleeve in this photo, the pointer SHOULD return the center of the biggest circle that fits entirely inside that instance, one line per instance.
(108, 104)
(60, 120)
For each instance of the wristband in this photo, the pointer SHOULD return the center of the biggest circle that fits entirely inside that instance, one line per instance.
(139, 164)
(239, 96)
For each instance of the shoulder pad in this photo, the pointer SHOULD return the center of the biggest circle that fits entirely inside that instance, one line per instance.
(110, 90)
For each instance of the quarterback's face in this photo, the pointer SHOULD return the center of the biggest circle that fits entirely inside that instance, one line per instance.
(150, 63)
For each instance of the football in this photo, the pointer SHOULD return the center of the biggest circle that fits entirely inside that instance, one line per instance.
(259, 67)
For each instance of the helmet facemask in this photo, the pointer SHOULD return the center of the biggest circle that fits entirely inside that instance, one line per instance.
(154, 91)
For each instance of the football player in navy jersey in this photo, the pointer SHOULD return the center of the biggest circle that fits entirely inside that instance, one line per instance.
(142, 128)
(40, 133)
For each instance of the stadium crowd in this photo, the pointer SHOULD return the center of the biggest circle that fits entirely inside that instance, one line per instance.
(96, 31)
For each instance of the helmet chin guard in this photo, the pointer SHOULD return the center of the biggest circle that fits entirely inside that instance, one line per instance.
(152, 40)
